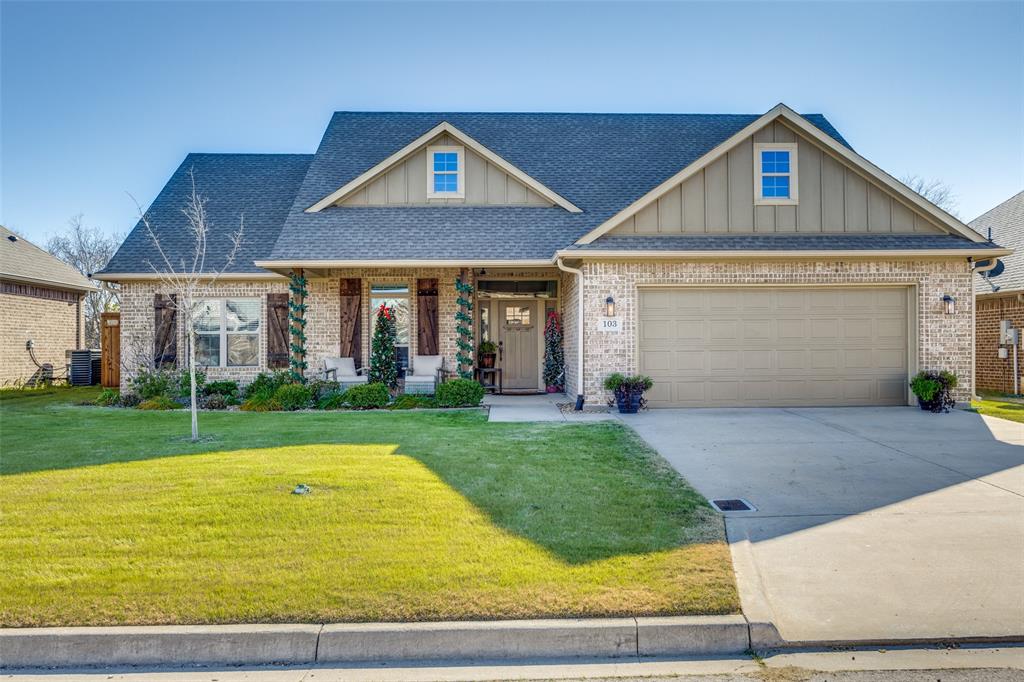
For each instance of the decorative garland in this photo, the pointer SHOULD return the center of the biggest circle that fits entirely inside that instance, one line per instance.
(464, 327)
(297, 326)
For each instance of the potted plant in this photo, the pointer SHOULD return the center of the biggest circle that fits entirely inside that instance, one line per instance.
(488, 353)
(628, 391)
(933, 388)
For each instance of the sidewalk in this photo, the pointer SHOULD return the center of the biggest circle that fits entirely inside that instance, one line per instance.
(541, 407)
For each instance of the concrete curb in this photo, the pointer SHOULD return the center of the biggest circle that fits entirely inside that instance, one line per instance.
(372, 642)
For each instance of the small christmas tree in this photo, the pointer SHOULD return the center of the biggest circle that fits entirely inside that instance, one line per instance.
(554, 356)
(383, 362)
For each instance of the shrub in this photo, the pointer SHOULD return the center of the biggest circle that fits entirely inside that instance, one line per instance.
(459, 393)
(293, 397)
(332, 401)
(268, 382)
(185, 384)
(149, 384)
(617, 382)
(260, 402)
(161, 402)
(224, 388)
(129, 400)
(108, 397)
(215, 401)
(412, 402)
(933, 390)
(320, 389)
(367, 396)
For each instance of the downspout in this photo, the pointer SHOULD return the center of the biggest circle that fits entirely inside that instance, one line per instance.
(580, 328)
(977, 269)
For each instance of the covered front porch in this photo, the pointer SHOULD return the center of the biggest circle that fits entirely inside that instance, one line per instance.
(508, 307)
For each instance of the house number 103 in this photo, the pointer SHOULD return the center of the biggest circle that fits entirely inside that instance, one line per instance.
(609, 324)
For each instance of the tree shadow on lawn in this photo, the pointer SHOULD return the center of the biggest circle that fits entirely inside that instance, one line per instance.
(585, 492)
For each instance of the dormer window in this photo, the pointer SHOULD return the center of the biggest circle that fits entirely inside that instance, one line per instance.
(775, 177)
(444, 173)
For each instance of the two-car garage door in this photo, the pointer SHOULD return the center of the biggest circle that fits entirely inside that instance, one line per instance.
(765, 346)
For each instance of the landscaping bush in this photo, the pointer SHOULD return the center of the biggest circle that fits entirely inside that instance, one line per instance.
(161, 402)
(933, 390)
(267, 383)
(332, 401)
(260, 402)
(459, 393)
(108, 397)
(149, 384)
(215, 401)
(129, 400)
(185, 384)
(367, 396)
(293, 397)
(412, 402)
(320, 389)
(224, 388)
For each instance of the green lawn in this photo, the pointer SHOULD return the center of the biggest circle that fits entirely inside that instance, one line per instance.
(995, 405)
(112, 517)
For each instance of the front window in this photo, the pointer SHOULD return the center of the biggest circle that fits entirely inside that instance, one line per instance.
(396, 297)
(228, 332)
(775, 173)
(444, 172)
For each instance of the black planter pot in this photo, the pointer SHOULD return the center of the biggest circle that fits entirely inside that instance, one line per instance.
(628, 402)
(931, 405)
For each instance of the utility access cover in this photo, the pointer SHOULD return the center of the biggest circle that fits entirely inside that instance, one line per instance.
(735, 505)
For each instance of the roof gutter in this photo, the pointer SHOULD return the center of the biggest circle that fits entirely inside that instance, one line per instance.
(52, 284)
(729, 254)
(580, 328)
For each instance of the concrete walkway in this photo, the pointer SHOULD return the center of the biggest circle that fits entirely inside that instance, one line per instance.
(536, 408)
(876, 524)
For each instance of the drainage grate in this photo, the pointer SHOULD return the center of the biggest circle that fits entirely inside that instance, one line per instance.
(736, 505)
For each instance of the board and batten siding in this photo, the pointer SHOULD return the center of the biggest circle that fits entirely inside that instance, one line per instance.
(719, 199)
(406, 183)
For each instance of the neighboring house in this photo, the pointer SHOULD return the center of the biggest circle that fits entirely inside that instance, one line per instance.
(1000, 296)
(41, 300)
(745, 259)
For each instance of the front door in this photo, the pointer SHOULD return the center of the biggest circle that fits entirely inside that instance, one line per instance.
(519, 344)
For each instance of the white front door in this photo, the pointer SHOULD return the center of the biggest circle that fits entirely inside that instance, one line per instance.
(519, 344)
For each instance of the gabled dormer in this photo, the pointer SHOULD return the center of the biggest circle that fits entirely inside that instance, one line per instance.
(444, 166)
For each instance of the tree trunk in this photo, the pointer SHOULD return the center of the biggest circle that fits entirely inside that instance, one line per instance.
(192, 384)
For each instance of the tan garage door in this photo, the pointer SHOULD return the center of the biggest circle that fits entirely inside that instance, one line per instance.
(774, 346)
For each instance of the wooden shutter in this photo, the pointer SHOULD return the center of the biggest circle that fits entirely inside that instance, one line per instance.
(426, 317)
(165, 326)
(351, 334)
(278, 348)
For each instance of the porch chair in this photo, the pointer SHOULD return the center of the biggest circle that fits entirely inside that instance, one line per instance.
(426, 373)
(344, 371)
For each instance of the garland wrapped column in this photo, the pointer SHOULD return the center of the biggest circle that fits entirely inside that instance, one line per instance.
(464, 327)
(297, 326)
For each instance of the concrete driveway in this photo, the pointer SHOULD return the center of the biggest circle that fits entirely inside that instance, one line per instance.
(871, 524)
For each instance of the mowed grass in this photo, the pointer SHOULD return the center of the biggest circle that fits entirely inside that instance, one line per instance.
(995, 405)
(113, 517)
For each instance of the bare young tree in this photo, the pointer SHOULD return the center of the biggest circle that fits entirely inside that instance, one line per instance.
(935, 191)
(189, 278)
(88, 249)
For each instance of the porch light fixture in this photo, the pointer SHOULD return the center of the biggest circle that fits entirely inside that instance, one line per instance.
(950, 304)
(609, 307)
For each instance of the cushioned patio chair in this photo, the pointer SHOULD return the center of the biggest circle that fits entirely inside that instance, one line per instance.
(344, 371)
(426, 372)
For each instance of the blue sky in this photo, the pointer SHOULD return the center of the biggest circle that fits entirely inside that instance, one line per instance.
(102, 99)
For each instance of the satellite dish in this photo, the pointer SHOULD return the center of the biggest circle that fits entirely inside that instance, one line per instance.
(997, 270)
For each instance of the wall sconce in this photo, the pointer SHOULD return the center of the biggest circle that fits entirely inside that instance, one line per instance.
(950, 304)
(609, 307)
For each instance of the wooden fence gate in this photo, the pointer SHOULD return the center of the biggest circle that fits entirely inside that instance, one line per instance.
(110, 347)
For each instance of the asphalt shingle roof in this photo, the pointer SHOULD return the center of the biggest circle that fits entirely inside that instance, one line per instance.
(258, 188)
(1006, 221)
(599, 162)
(23, 261)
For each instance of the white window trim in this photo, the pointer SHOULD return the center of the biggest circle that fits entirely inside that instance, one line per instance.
(794, 197)
(460, 174)
(223, 333)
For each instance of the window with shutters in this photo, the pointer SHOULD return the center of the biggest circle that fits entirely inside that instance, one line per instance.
(228, 332)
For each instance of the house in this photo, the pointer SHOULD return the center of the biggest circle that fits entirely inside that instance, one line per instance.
(41, 300)
(736, 259)
(999, 293)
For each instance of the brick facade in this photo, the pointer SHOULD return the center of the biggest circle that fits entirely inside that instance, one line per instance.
(52, 318)
(943, 341)
(993, 373)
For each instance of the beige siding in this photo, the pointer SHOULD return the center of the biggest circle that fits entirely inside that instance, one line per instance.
(833, 197)
(406, 183)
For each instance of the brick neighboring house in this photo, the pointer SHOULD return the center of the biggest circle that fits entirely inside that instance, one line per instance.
(1000, 296)
(41, 299)
(736, 259)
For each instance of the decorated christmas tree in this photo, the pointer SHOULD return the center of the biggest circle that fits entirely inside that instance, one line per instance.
(554, 356)
(383, 362)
